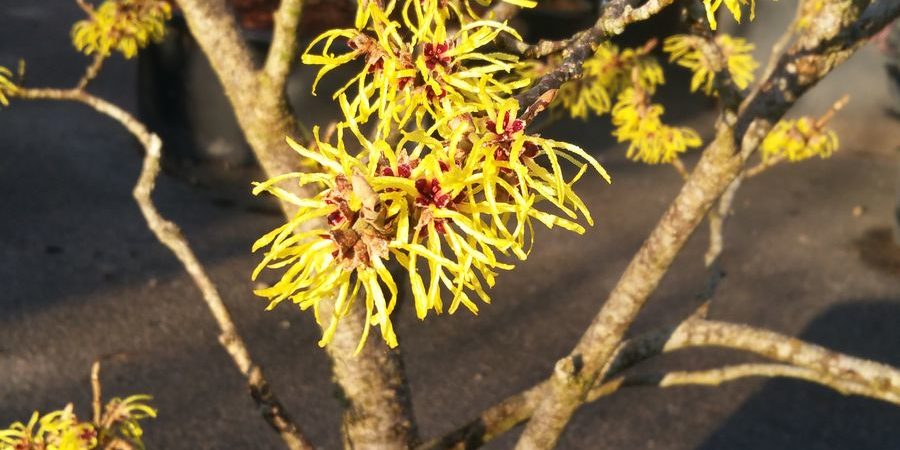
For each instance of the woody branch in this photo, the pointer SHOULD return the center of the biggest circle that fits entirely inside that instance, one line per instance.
(168, 233)
(378, 408)
(738, 135)
(791, 358)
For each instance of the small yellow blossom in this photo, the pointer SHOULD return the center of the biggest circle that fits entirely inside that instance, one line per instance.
(520, 3)
(799, 139)
(650, 140)
(688, 51)
(734, 6)
(121, 25)
(61, 430)
(609, 71)
(7, 87)
(418, 77)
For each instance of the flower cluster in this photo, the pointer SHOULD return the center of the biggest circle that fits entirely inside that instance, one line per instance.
(447, 181)
(651, 141)
(418, 67)
(61, 430)
(7, 87)
(692, 52)
(799, 139)
(734, 6)
(606, 74)
(630, 77)
(121, 25)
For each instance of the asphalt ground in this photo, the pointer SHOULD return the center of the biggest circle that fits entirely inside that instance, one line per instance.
(807, 253)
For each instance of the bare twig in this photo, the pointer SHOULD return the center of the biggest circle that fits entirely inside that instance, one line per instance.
(717, 217)
(730, 97)
(717, 376)
(738, 135)
(794, 359)
(91, 72)
(169, 234)
(96, 394)
(283, 49)
(576, 373)
(375, 415)
(98, 104)
(85, 6)
(779, 47)
(616, 15)
(762, 166)
(835, 107)
(678, 164)
(828, 364)
(540, 49)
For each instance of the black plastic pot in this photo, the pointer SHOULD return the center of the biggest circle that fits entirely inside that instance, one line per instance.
(181, 98)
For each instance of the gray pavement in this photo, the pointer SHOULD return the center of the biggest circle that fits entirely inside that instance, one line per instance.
(81, 276)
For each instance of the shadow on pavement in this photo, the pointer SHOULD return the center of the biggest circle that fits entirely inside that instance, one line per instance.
(788, 414)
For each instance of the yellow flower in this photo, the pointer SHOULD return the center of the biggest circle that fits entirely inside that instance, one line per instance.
(734, 6)
(121, 420)
(7, 87)
(448, 185)
(799, 139)
(337, 259)
(689, 51)
(651, 141)
(447, 203)
(607, 73)
(121, 25)
(59, 430)
(520, 3)
(416, 78)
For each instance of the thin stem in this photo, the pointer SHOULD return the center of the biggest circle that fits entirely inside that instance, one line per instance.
(170, 235)
(96, 402)
(283, 49)
(680, 168)
(835, 107)
(720, 375)
(617, 14)
(100, 105)
(763, 166)
(91, 72)
(541, 49)
(717, 217)
(793, 359)
(85, 6)
(779, 48)
(739, 134)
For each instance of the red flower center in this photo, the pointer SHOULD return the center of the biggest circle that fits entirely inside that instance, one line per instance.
(88, 434)
(509, 127)
(435, 54)
(430, 194)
